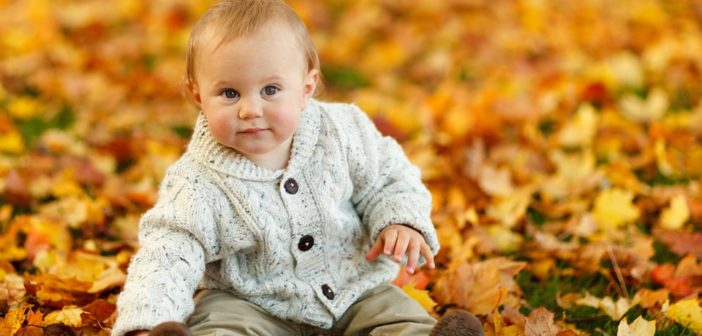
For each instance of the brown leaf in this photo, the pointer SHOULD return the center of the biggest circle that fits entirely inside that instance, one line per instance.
(480, 287)
(100, 309)
(540, 323)
(30, 331)
(59, 329)
(680, 242)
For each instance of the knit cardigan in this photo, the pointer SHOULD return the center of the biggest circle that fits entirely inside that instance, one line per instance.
(292, 241)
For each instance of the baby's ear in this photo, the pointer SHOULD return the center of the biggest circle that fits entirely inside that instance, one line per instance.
(310, 84)
(193, 93)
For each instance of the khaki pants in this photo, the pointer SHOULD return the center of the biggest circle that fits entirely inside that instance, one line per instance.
(385, 310)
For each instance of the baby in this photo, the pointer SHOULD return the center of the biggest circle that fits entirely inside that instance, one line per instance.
(281, 206)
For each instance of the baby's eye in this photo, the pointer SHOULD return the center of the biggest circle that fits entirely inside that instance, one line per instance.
(270, 90)
(230, 93)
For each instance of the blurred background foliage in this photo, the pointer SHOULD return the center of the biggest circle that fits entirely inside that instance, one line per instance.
(561, 141)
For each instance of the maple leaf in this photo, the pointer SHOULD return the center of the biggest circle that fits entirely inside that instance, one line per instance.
(480, 287)
(419, 295)
(13, 320)
(615, 309)
(675, 216)
(614, 208)
(645, 110)
(30, 331)
(69, 315)
(581, 130)
(649, 298)
(507, 330)
(681, 242)
(640, 327)
(540, 323)
(688, 313)
(12, 289)
(495, 181)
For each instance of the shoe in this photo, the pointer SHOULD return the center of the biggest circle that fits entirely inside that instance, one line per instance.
(457, 322)
(170, 329)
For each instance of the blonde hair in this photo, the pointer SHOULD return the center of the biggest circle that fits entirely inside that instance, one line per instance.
(229, 19)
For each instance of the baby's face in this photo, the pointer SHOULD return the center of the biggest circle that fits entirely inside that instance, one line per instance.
(253, 89)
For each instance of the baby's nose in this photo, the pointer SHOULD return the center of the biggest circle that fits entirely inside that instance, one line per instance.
(250, 108)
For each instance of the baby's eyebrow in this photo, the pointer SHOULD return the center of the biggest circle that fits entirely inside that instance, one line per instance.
(272, 78)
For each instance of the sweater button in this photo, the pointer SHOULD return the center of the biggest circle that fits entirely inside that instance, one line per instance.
(290, 186)
(328, 292)
(305, 243)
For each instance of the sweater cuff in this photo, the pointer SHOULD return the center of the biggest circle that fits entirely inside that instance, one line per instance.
(138, 319)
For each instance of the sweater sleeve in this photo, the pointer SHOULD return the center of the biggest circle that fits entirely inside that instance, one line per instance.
(170, 262)
(387, 186)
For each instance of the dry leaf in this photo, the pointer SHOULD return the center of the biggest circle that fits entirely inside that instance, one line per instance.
(69, 315)
(676, 215)
(540, 323)
(479, 287)
(614, 208)
(615, 309)
(688, 313)
(640, 327)
(419, 295)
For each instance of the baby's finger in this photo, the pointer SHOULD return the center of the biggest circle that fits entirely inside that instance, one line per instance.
(412, 256)
(375, 251)
(428, 256)
(390, 238)
(403, 240)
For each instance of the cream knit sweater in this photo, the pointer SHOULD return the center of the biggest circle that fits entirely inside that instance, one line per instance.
(291, 241)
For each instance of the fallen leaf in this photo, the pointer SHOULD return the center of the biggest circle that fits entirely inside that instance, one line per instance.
(676, 215)
(69, 315)
(419, 295)
(681, 242)
(614, 208)
(479, 287)
(648, 298)
(640, 327)
(615, 309)
(540, 323)
(688, 313)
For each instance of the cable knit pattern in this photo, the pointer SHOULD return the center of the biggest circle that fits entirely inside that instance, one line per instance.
(222, 221)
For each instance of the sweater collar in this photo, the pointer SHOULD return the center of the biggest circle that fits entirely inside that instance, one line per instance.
(204, 148)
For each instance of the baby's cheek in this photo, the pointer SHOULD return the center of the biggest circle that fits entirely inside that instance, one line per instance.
(285, 123)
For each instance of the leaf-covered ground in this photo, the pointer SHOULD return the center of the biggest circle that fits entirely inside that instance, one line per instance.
(562, 142)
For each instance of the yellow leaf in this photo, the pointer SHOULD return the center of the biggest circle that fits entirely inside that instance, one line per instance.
(614, 208)
(23, 108)
(109, 278)
(66, 185)
(651, 108)
(662, 161)
(640, 327)
(11, 142)
(421, 296)
(688, 313)
(508, 210)
(675, 216)
(614, 309)
(627, 70)
(581, 130)
(506, 240)
(13, 320)
(69, 315)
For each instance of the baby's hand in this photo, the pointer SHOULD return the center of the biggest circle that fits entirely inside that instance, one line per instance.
(402, 239)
